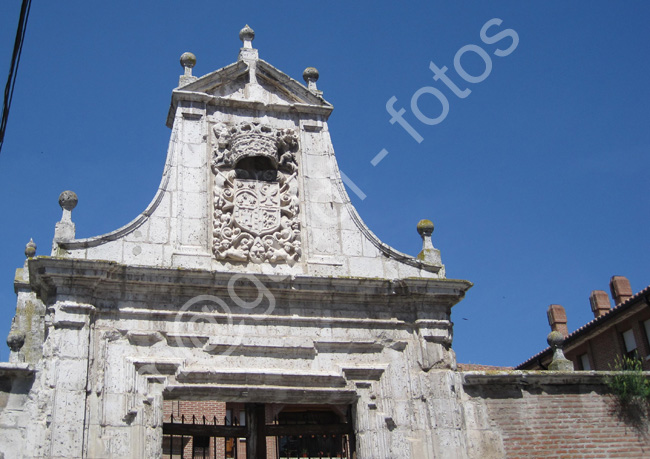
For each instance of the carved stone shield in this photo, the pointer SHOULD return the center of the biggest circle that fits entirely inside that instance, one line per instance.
(257, 206)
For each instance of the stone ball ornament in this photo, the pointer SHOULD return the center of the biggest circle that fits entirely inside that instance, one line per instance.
(15, 341)
(68, 200)
(30, 249)
(425, 227)
(246, 33)
(188, 60)
(555, 339)
(310, 74)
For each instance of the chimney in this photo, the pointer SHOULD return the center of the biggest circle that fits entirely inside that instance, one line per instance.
(557, 319)
(621, 289)
(599, 303)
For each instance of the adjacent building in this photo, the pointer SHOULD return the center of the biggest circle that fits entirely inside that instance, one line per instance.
(601, 344)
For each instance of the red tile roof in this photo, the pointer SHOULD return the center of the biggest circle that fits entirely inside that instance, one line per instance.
(591, 325)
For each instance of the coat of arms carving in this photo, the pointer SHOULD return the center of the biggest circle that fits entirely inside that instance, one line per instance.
(257, 206)
(256, 194)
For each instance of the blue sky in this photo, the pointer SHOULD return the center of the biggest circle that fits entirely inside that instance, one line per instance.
(536, 181)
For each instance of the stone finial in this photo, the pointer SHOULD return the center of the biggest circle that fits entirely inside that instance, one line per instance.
(557, 319)
(247, 52)
(599, 301)
(68, 200)
(65, 229)
(246, 35)
(621, 289)
(30, 249)
(15, 341)
(310, 75)
(425, 228)
(555, 339)
(429, 253)
(188, 60)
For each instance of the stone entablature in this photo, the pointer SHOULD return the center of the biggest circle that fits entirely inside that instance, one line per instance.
(121, 339)
(412, 304)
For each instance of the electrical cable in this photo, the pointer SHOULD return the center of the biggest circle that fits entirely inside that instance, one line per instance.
(13, 69)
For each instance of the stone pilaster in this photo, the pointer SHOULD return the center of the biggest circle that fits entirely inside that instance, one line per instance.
(65, 373)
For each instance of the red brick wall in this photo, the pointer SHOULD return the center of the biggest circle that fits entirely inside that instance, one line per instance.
(562, 422)
(605, 348)
(209, 409)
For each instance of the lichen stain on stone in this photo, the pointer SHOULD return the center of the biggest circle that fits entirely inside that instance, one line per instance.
(27, 324)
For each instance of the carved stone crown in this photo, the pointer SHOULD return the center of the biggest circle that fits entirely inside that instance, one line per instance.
(251, 139)
(254, 139)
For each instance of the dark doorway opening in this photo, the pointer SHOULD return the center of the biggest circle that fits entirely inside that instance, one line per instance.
(219, 430)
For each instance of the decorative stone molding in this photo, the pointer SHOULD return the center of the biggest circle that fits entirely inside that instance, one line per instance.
(70, 314)
(141, 375)
(255, 194)
(143, 338)
(434, 342)
(365, 373)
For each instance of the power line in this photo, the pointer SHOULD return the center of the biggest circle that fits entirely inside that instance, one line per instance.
(13, 69)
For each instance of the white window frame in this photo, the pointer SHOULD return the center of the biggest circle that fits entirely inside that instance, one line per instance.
(629, 341)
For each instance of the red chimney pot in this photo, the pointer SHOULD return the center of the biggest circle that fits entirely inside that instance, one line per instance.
(557, 319)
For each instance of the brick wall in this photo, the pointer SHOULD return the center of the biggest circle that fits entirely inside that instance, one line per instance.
(559, 420)
(210, 409)
(603, 344)
(606, 347)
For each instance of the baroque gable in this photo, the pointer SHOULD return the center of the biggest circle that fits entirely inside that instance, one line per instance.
(251, 185)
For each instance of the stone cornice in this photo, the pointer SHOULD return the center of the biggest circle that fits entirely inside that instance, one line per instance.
(16, 370)
(88, 279)
(181, 95)
(537, 378)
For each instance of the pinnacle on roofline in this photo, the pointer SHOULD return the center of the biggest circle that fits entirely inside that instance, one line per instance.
(247, 52)
(188, 60)
(310, 75)
(247, 35)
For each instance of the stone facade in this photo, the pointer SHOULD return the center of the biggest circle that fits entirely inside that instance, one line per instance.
(251, 280)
